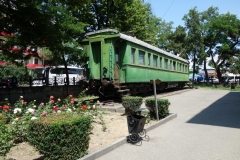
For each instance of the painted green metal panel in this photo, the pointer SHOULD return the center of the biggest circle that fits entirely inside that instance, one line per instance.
(144, 73)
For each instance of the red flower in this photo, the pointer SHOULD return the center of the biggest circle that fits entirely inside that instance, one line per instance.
(70, 96)
(51, 97)
(1, 107)
(59, 99)
(25, 102)
(55, 108)
(52, 101)
(72, 102)
(44, 113)
(84, 107)
(22, 101)
(6, 107)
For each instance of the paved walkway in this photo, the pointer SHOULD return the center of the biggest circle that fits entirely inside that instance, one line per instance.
(207, 127)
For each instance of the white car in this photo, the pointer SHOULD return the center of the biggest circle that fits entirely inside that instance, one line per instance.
(232, 80)
(213, 80)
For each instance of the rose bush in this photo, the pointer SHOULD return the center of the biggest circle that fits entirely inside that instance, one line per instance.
(17, 117)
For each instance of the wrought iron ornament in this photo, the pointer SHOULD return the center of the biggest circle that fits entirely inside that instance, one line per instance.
(135, 129)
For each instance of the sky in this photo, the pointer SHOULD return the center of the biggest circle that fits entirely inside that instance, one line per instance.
(174, 10)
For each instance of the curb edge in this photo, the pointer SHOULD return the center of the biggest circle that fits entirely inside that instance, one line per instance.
(114, 145)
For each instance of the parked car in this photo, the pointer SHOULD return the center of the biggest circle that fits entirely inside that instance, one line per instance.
(8, 83)
(213, 80)
(232, 79)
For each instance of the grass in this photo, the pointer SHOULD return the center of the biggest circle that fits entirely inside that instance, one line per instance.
(217, 86)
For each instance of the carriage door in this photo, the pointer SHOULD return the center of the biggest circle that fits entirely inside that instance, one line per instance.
(117, 67)
(96, 56)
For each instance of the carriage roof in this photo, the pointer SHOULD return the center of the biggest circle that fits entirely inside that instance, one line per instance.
(136, 41)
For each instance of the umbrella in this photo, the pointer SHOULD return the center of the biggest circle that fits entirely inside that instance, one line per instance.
(195, 75)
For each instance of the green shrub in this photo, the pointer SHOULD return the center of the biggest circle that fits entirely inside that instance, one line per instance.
(163, 107)
(61, 136)
(5, 140)
(131, 103)
(3, 118)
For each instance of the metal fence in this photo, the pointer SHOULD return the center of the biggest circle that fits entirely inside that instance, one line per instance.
(30, 82)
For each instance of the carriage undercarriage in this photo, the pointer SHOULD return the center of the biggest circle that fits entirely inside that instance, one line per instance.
(120, 89)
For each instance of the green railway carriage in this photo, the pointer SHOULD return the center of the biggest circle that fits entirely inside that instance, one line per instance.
(119, 64)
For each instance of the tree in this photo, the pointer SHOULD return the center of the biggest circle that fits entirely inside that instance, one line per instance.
(205, 21)
(225, 35)
(41, 23)
(193, 39)
(127, 16)
(235, 67)
(177, 40)
(209, 35)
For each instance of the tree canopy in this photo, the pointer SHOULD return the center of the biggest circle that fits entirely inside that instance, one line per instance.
(214, 35)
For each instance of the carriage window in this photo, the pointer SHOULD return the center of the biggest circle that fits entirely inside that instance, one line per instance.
(155, 58)
(35, 61)
(133, 55)
(160, 64)
(57, 71)
(141, 57)
(170, 65)
(180, 68)
(117, 55)
(174, 66)
(149, 59)
(166, 64)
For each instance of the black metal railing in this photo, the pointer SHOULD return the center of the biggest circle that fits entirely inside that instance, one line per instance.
(31, 82)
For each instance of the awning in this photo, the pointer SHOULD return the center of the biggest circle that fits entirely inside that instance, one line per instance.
(32, 66)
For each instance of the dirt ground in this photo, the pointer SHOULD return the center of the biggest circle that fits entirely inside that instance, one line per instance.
(116, 128)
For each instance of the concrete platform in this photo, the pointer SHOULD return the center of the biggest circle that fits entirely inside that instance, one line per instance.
(117, 107)
(207, 127)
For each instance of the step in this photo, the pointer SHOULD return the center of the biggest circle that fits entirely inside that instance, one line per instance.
(125, 90)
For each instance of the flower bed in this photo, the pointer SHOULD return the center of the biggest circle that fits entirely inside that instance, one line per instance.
(16, 118)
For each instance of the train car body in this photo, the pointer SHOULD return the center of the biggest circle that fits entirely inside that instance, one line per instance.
(118, 64)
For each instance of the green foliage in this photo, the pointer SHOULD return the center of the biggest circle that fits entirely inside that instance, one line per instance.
(177, 41)
(3, 118)
(94, 113)
(35, 21)
(5, 111)
(61, 136)
(85, 99)
(20, 118)
(131, 103)
(19, 130)
(163, 107)
(9, 71)
(5, 139)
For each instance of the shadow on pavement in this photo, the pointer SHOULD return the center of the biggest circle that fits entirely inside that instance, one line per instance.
(224, 112)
